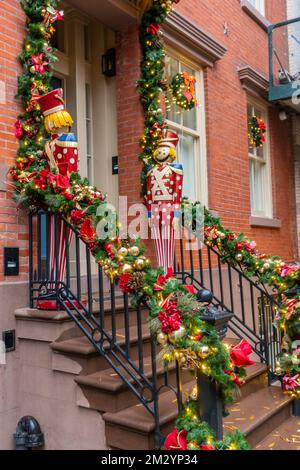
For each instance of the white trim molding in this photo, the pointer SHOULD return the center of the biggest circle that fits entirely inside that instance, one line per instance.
(254, 82)
(255, 14)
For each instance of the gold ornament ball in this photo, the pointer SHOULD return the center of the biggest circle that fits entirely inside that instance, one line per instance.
(239, 257)
(134, 250)
(162, 338)
(266, 266)
(177, 335)
(123, 251)
(126, 268)
(139, 264)
(222, 236)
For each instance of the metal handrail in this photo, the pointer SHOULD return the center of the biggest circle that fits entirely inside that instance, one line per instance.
(253, 306)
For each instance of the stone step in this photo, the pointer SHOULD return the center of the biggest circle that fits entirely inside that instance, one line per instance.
(79, 351)
(106, 391)
(256, 379)
(285, 437)
(257, 416)
(133, 427)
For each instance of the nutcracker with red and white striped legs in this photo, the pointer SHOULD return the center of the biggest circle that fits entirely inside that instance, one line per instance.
(164, 193)
(61, 152)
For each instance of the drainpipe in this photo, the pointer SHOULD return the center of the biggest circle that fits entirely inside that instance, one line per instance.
(28, 434)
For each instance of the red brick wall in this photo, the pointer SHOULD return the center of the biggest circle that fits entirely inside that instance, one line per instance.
(13, 224)
(226, 119)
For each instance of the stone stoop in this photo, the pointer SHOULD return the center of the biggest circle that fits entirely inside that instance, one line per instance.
(94, 395)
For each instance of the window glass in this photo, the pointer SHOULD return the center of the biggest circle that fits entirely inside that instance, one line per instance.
(187, 125)
(260, 183)
(259, 5)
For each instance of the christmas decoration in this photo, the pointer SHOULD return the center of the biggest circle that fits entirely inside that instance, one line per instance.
(240, 353)
(191, 434)
(183, 90)
(54, 184)
(257, 131)
(164, 191)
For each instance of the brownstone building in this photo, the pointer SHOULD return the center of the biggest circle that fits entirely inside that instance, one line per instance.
(224, 43)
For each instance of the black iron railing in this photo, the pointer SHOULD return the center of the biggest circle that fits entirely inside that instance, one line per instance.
(102, 312)
(253, 305)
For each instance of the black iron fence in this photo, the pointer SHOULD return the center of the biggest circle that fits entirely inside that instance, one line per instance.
(254, 305)
(120, 333)
(103, 313)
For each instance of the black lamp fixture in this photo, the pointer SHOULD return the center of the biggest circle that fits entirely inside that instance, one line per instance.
(109, 63)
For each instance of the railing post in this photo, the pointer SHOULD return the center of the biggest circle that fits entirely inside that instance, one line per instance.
(210, 408)
(209, 403)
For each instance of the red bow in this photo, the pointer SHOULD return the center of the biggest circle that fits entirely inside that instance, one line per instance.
(39, 64)
(207, 447)
(190, 289)
(176, 440)
(234, 378)
(240, 354)
(153, 29)
(87, 231)
(161, 280)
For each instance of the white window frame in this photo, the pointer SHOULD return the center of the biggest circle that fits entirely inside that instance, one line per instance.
(201, 183)
(267, 177)
(260, 6)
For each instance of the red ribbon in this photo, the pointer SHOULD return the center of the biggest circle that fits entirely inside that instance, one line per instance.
(240, 354)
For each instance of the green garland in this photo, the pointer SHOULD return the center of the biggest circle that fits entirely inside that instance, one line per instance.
(152, 83)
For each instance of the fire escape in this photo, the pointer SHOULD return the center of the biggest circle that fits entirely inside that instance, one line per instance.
(284, 88)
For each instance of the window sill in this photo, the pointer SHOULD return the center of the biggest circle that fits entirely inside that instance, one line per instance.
(264, 222)
(261, 20)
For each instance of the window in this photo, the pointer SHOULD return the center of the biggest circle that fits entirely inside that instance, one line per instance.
(259, 5)
(190, 127)
(260, 175)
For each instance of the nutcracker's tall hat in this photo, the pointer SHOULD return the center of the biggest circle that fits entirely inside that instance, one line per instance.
(53, 108)
(169, 139)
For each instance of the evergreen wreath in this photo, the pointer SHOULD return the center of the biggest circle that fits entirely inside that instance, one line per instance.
(183, 90)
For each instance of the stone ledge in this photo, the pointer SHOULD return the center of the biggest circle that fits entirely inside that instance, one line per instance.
(253, 81)
(260, 19)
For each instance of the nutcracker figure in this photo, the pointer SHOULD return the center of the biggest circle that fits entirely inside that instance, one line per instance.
(62, 154)
(164, 192)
